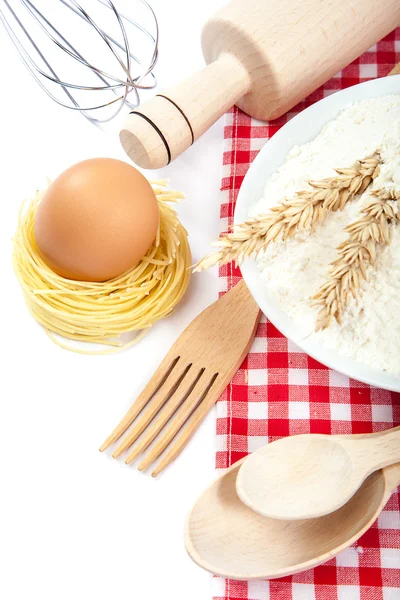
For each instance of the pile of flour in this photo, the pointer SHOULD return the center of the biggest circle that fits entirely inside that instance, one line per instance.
(294, 270)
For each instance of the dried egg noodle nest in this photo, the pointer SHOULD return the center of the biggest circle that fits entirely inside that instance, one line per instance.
(100, 312)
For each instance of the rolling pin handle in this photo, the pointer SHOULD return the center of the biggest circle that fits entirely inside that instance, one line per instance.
(162, 128)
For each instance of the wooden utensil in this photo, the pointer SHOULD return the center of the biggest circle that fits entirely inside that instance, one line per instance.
(263, 55)
(224, 536)
(190, 379)
(311, 475)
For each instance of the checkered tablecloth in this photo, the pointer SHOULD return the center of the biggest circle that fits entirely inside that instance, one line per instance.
(281, 391)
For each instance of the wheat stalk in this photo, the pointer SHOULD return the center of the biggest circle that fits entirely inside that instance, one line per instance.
(305, 210)
(360, 249)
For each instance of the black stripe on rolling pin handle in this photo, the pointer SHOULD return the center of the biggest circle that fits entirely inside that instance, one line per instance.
(160, 133)
(182, 113)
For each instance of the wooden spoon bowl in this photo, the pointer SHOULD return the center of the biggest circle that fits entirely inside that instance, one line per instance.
(225, 537)
(311, 475)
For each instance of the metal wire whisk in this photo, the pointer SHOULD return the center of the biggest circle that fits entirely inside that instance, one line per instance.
(104, 69)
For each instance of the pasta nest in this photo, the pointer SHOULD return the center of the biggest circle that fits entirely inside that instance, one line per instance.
(102, 313)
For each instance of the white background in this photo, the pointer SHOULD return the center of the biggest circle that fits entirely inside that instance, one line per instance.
(74, 523)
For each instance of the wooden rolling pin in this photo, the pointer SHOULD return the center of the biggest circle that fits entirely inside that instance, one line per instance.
(264, 56)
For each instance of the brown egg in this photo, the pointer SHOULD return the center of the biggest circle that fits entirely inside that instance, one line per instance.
(96, 220)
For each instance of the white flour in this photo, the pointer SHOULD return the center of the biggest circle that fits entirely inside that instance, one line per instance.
(294, 270)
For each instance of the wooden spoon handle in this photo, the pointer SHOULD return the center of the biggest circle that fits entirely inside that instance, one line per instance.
(392, 477)
(375, 451)
(392, 472)
(162, 128)
(386, 448)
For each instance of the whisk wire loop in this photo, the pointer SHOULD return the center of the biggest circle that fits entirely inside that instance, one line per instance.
(112, 89)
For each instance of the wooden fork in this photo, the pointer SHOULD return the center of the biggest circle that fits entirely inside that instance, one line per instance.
(189, 380)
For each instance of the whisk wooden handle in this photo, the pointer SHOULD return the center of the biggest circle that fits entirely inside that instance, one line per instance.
(162, 128)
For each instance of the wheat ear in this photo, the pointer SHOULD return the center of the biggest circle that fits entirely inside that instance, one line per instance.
(360, 249)
(305, 210)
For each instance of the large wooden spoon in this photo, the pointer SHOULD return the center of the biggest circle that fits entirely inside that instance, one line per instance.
(224, 536)
(308, 476)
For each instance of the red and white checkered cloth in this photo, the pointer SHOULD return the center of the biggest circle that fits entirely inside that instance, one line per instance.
(281, 391)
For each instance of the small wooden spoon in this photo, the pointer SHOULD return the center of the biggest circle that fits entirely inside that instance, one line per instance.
(225, 537)
(308, 476)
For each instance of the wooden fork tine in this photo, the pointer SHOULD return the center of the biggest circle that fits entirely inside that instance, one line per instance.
(161, 397)
(198, 405)
(158, 379)
(187, 387)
